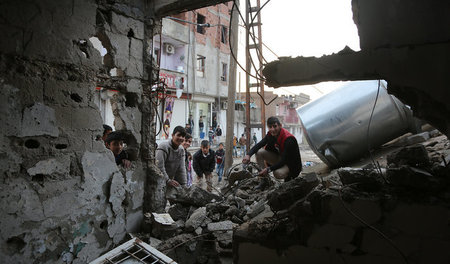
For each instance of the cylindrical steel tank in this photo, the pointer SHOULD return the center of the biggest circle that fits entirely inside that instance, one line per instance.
(335, 125)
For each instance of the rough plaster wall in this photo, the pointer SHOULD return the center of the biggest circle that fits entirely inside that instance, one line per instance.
(62, 196)
(418, 229)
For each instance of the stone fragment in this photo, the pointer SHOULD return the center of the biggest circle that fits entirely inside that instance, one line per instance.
(213, 208)
(225, 239)
(163, 226)
(39, 120)
(410, 177)
(418, 138)
(178, 211)
(237, 174)
(198, 231)
(221, 226)
(415, 156)
(233, 210)
(366, 180)
(242, 194)
(193, 195)
(256, 209)
(239, 202)
(237, 220)
(289, 192)
(196, 219)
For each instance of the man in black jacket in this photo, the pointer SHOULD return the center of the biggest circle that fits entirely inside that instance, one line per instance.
(203, 163)
(280, 153)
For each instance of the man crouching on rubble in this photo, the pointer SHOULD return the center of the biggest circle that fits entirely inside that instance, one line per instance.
(280, 152)
(170, 158)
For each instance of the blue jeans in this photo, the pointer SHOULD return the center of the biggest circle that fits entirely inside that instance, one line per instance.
(219, 170)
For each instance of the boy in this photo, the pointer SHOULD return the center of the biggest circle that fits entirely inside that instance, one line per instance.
(170, 158)
(220, 161)
(204, 164)
(114, 142)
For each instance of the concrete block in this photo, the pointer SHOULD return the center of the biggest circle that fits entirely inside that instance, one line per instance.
(373, 243)
(420, 219)
(135, 180)
(418, 138)
(331, 236)
(367, 180)
(85, 118)
(122, 25)
(290, 192)
(196, 219)
(67, 93)
(414, 178)
(194, 195)
(415, 156)
(39, 120)
(221, 226)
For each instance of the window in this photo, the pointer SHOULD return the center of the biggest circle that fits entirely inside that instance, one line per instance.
(157, 56)
(201, 65)
(223, 77)
(200, 20)
(224, 34)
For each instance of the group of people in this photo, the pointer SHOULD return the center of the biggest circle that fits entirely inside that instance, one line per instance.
(277, 152)
(177, 164)
(214, 133)
(242, 144)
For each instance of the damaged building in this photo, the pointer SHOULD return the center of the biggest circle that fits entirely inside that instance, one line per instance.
(64, 200)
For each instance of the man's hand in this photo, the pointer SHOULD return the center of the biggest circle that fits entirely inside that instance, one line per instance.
(246, 159)
(126, 163)
(264, 172)
(173, 183)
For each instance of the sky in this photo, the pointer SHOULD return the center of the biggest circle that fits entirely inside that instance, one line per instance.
(305, 28)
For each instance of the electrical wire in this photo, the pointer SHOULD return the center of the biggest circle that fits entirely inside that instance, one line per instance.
(377, 167)
(370, 226)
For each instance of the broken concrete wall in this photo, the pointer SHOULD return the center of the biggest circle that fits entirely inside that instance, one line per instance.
(404, 42)
(321, 230)
(63, 198)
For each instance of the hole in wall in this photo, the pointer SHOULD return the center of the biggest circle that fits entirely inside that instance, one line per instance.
(15, 244)
(104, 224)
(76, 97)
(38, 178)
(32, 144)
(61, 146)
(131, 99)
(130, 33)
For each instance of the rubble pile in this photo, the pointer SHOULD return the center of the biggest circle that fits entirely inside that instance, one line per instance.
(408, 201)
(202, 224)
(321, 216)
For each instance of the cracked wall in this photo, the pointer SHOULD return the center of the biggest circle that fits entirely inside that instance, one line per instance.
(63, 197)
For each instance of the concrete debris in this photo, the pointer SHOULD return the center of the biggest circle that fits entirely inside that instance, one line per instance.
(411, 177)
(418, 138)
(178, 211)
(291, 191)
(416, 156)
(221, 226)
(363, 179)
(192, 195)
(196, 219)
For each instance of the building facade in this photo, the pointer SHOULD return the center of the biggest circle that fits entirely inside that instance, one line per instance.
(194, 58)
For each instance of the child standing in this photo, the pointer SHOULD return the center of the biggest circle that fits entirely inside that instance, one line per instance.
(220, 161)
(204, 164)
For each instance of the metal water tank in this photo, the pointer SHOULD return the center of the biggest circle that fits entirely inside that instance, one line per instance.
(335, 125)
